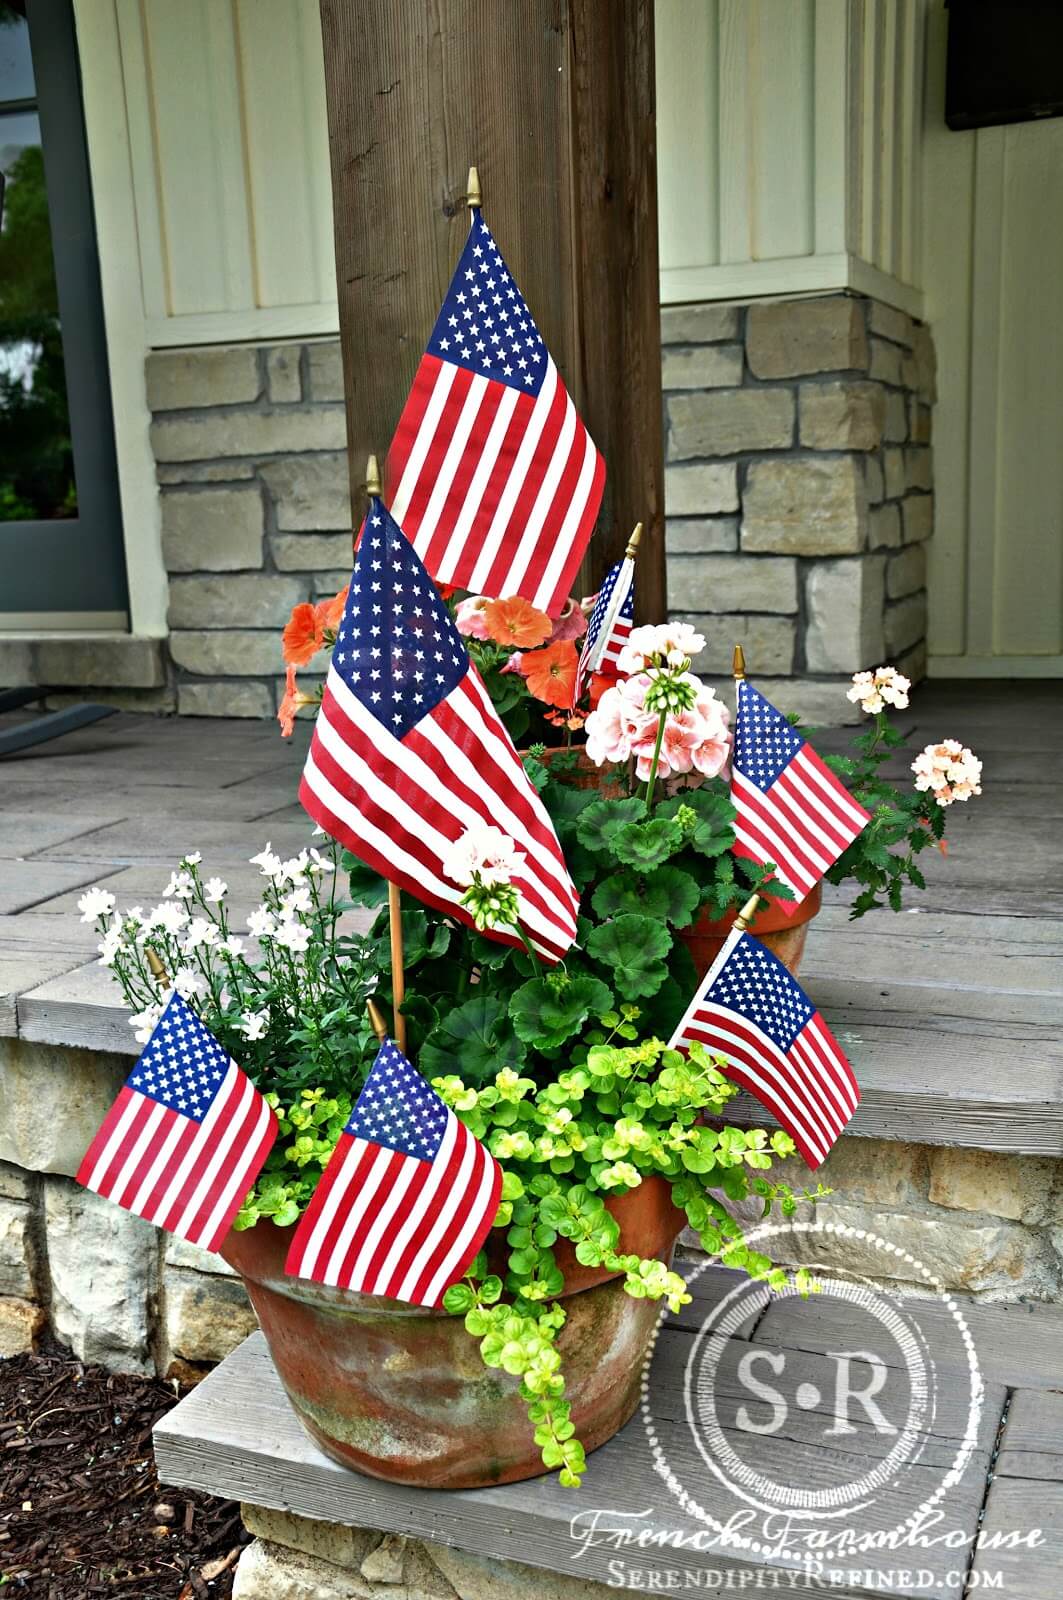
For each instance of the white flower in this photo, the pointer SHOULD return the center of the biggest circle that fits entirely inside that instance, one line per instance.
(135, 914)
(170, 918)
(483, 854)
(200, 932)
(215, 889)
(233, 945)
(294, 936)
(192, 859)
(268, 861)
(949, 770)
(664, 644)
(111, 943)
(254, 1025)
(318, 863)
(95, 903)
(262, 924)
(188, 983)
(319, 832)
(180, 885)
(883, 686)
(145, 1022)
(294, 868)
(296, 902)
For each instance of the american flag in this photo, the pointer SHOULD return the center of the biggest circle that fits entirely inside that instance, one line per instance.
(791, 808)
(408, 750)
(491, 472)
(186, 1137)
(751, 1011)
(407, 1198)
(610, 624)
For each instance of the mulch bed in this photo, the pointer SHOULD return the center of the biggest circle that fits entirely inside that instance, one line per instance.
(81, 1509)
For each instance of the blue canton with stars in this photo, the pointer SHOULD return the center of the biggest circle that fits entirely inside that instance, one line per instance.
(183, 1065)
(601, 605)
(484, 325)
(397, 1108)
(765, 743)
(757, 985)
(397, 648)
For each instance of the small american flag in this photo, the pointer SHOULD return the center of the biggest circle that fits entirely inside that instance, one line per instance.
(408, 750)
(791, 808)
(751, 1011)
(407, 1198)
(610, 624)
(186, 1137)
(491, 472)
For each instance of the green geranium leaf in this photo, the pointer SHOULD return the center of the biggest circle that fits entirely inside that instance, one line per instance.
(422, 939)
(666, 894)
(602, 820)
(366, 888)
(646, 845)
(474, 1041)
(712, 832)
(547, 1011)
(633, 948)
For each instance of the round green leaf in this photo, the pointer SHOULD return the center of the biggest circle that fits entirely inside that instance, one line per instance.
(666, 894)
(602, 820)
(633, 948)
(475, 1041)
(646, 845)
(547, 1011)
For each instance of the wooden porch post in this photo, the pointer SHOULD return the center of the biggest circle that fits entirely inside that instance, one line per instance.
(553, 100)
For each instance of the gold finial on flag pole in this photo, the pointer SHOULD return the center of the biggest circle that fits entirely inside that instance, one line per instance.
(158, 971)
(747, 913)
(633, 543)
(738, 663)
(398, 974)
(473, 197)
(380, 1027)
(372, 478)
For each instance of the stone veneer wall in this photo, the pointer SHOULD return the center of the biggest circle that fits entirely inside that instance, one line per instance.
(798, 487)
(119, 1292)
(251, 450)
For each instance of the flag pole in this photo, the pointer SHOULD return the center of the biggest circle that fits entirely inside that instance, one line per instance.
(158, 971)
(398, 975)
(749, 910)
(473, 196)
(376, 1018)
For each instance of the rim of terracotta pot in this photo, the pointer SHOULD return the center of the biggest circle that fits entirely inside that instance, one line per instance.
(649, 1227)
(769, 919)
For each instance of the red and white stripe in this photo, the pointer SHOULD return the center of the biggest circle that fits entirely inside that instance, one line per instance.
(497, 490)
(188, 1177)
(399, 804)
(810, 1089)
(802, 822)
(386, 1223)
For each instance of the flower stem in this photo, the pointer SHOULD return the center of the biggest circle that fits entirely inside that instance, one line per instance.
(656, 761)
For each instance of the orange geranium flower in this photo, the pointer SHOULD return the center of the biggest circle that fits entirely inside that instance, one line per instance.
(329, 613)
(551, 673)
(289, 705)
(303, 636)
(515, 623)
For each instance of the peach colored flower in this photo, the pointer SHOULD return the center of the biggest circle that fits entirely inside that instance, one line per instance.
(948, 771)
(550, 673)
(329, 613)
(664, 644)
(713, 752)
(303, 635)
(883, 686)
(619, 721)
(518, 623)
(680, 738)
(469, 617)
(289, 705)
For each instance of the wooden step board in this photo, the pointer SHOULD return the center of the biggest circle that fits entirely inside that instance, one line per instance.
(650, 1511)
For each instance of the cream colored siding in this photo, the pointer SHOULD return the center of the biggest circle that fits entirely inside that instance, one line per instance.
(225, 101)
(993, 245)
(788, 148)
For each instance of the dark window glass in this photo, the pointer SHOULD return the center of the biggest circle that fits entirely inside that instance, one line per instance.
(36, 460)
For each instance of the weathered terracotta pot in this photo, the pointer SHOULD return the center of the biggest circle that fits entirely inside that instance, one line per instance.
(400, 1392)
(585, 774)
(785, 935)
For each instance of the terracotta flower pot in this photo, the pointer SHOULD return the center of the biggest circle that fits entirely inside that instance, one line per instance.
(400, 1392)
(585, 774)
(785, 935)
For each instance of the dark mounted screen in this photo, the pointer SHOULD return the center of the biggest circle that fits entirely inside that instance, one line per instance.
(1005, 62)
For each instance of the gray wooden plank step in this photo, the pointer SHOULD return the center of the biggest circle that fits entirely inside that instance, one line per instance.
(1032, 1442)
(1020, 1551)
(237, 1435)
(1017, 1344)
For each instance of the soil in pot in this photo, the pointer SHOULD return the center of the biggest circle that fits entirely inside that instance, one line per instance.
(400, 1392)
(784, 935)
